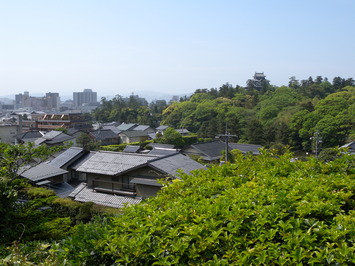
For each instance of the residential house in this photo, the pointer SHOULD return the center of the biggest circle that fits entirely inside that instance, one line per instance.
(105, 137)
(161, 129)
(126, 127)
(132, 149)
(45, 174)
(133, 136)
(133, 175)
(145, 128)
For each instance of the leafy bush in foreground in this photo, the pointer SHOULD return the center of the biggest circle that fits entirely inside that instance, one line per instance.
(261, 211)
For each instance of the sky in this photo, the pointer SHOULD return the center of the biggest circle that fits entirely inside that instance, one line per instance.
(172, 46)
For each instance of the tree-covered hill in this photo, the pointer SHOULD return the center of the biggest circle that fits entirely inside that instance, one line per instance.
(273, 115)
(263, 210)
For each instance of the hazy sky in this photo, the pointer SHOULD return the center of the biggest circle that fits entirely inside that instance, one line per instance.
(171, 46)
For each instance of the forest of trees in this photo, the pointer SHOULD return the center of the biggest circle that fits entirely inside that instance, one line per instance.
(289, 115)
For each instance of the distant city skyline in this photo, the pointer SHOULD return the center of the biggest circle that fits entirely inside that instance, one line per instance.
(172, 47)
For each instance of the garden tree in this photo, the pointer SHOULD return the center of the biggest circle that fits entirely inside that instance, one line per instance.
(14, 157)
(171, 136)
(84, 141)
(333, 130)
(263, 210)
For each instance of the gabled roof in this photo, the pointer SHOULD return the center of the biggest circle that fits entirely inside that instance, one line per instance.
(132, 148)
(52, 134)
(113, 163)
(103, 134)
(42, 171)
(134, 133)
(162, 127)
(67, 156)
(125, 127)
(173, 163)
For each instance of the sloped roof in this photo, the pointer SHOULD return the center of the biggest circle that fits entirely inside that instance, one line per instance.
(244, 148)
(171, 164)
(72, 131)
(182, 131)
(84, 194)
(350, 145)
(81, 160)
(125, 127)
(113, 128)
(134, 133)
(211, 150)
(113, 163)
(162, 127)
(66, 156)
(132, 148)
(60, 138)
(161, 145)
(29, 135)
(162, 151)
(52, 134)
(103, 134)
(141, 127)
(42, 171)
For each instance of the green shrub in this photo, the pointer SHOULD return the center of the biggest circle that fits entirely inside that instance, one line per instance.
(39, 192)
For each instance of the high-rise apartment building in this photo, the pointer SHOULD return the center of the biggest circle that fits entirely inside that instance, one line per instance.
(85, 97)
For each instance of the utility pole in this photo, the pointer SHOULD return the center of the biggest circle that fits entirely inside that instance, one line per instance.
(226, 137)
(318, 140)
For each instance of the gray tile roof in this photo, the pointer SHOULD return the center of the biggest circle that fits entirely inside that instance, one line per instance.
(134, 133)
(29, 135)
(113, 128)
(171, 164)
(132, 148)
(42, 171)
(162, 127)
(210, 150)
(244, 148)
(62, 190)
(160, 145)
(162, 151)
(103, 134)
(113, 163)
(81, 160)
(60, 139)
(66, 156)
(84, 194)
(125, 127)
(182, 131)
(141, 127)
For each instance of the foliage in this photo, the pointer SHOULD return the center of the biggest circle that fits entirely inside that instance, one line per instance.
(39, 192)
(171, 136)
(13, 157)
(267, 210)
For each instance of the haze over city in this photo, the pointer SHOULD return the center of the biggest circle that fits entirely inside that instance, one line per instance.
(175, 47)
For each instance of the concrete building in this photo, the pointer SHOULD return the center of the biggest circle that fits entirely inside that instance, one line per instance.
(84, 98)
